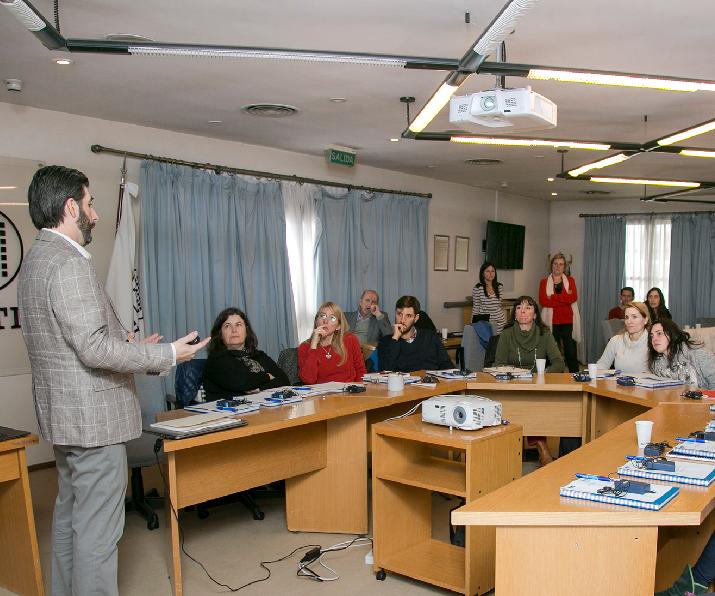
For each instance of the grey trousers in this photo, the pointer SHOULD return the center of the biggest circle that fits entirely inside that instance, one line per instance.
(88, 519)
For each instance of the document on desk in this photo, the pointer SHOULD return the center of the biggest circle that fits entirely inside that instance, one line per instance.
(197, 424)
(212, 406)
(586, 488)
(514, 371)
(694, 450)
(382, 378)
(654, 382)
(698, 474)
(451, 374)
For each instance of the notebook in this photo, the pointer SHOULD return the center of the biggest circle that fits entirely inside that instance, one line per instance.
(653, 382)
(198, 424)
(7, 433)
(451, 374)
(514, 371)
(685, 473)
(582, 488)
(704, 450)
(211, 406)
(382, 378)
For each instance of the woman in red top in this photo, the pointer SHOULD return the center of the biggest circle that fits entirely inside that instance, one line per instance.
(557, 296)
(331, 353)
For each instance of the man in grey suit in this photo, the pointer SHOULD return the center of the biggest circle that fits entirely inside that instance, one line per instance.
(368, 323)
(82, 363)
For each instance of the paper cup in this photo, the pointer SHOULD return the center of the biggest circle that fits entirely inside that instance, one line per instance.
(540, 366)
(698, 325)
(644, 430)
(395, 382)
(445, 331)
(593, 371)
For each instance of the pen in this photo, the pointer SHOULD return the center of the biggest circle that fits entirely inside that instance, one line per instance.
(594, 477)
(690, 440)
(301, 388)
(636, 458)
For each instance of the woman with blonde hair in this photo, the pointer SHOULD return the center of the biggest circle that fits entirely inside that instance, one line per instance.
(628, 351)
(331, 353)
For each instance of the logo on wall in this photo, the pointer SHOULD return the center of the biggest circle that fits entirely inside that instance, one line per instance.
(11, 251)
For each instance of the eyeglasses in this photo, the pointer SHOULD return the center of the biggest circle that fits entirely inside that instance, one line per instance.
(326, 317)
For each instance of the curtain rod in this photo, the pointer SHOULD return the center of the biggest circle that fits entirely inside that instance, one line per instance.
(641, 214)
(219, 169)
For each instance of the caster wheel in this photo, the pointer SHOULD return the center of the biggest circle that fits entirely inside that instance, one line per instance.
(153, 523)
(259, 515)
(381, 575)
(202, 514)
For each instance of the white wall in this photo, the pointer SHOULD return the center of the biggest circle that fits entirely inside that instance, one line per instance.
(455, 209)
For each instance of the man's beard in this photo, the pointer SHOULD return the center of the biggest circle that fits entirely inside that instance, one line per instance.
(85, 226)
(406, 329)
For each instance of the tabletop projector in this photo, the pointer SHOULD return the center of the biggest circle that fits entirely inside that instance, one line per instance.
(466, 412)
(502, 108)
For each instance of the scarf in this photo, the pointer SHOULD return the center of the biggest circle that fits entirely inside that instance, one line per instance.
(547, 313)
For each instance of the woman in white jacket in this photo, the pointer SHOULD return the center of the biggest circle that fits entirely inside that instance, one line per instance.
(628, 351)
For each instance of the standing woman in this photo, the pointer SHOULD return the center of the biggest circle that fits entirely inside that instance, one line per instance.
(486, 300)
(331, 353)
(672, 354)
(628, 351)
(557, 296)
(656, 305)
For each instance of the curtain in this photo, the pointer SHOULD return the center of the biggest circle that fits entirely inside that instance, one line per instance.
(603, 277)
(302, 230)
(212, 241)
(648, 254)
(692, 261)
(370, 240)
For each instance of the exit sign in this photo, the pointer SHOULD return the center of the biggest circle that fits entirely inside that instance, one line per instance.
(342, 156)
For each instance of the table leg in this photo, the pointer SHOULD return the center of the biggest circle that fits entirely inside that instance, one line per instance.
(172, 510)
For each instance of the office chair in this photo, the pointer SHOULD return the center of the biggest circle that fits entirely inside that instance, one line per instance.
(140, 451)
(188, 380)
(288, 363)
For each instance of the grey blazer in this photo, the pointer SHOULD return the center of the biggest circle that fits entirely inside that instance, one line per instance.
(376, 327)
(81, 362)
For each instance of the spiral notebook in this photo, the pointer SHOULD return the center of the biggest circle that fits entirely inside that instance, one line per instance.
(704, 450)
(684, 473)
(587, 489)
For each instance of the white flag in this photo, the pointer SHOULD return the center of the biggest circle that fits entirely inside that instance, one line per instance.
(123, 286)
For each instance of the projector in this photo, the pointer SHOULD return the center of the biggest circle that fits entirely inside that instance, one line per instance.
(466, 412)
(500, 108)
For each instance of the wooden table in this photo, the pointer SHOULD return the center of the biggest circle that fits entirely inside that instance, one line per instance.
(20, 569)
(550, 545)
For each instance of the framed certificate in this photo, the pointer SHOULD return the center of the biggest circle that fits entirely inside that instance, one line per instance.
(441, 253)
(461, 253)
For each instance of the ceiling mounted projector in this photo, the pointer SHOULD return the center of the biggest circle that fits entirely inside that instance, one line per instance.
(501, 108)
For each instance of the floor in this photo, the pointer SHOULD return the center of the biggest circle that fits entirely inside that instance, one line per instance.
(231, 544)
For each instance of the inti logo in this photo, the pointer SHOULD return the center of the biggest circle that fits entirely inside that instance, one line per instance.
(11, 250)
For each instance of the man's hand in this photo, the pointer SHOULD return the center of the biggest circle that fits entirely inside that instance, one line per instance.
(397, 331)
(375, 310)
(154, 338)
(186, 351)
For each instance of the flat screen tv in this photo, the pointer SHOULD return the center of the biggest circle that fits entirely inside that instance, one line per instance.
(505, 245)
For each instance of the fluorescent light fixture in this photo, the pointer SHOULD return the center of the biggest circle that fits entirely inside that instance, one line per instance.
(8, 187)
(296, 55)
(14, 204)
(619, 80)
(603, 163)
(680, 183)
(696, 153)
(686, 134)
(433, 107)
(502, 26)
(529, 143)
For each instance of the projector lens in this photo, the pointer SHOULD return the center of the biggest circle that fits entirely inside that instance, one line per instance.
(488, 102)
(460, 416)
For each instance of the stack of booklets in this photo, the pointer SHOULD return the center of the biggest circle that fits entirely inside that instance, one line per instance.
(653, 382)
(382, 378)
(684, 473)
(198, 424)
(587, 489)
(514, 371)
(693, 450)
(451, 374)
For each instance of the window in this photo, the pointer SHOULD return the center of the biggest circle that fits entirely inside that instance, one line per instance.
(648, 254)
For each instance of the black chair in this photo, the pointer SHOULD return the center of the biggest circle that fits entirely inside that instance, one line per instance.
(288, 363)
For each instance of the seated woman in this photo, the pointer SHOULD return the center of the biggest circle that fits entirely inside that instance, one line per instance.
(331, 353)
(628, 351)
(235, 366)
(656, 305)
(524, 339)
(672, 354)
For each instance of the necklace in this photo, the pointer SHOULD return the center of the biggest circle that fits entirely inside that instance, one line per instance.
(328, 352)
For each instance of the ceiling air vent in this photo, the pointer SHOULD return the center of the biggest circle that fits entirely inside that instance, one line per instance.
(482, 161)
(270, 110)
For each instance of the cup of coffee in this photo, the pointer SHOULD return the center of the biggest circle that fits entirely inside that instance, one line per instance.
(395, 382)
(644, 430)
(540, 366)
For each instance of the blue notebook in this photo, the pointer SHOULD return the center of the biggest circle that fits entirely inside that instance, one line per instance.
(695, 450)
(684, 473)
(587, 489)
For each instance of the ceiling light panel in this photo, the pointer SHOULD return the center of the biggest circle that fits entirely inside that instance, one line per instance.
(687, 134)
(619, 80)
(603, 163)
(679, 183)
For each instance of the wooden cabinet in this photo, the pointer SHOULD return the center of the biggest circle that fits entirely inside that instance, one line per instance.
(410, 461)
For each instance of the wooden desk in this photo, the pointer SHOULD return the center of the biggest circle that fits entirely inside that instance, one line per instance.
(319, 446)
(20, 569)
(552, 546)
(551, 405)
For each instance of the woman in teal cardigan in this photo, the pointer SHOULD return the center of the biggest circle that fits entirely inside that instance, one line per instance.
(524, 339)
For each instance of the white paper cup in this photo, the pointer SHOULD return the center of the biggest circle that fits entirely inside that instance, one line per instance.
(686, 327)
(644, 430)
(698, 325)
(540, 366)
(395, 382)
(593, 371)
(445, 331)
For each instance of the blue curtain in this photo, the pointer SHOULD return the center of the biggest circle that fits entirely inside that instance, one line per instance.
(212, 241)
(604, 252)
(692, 261)
(370, 240)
